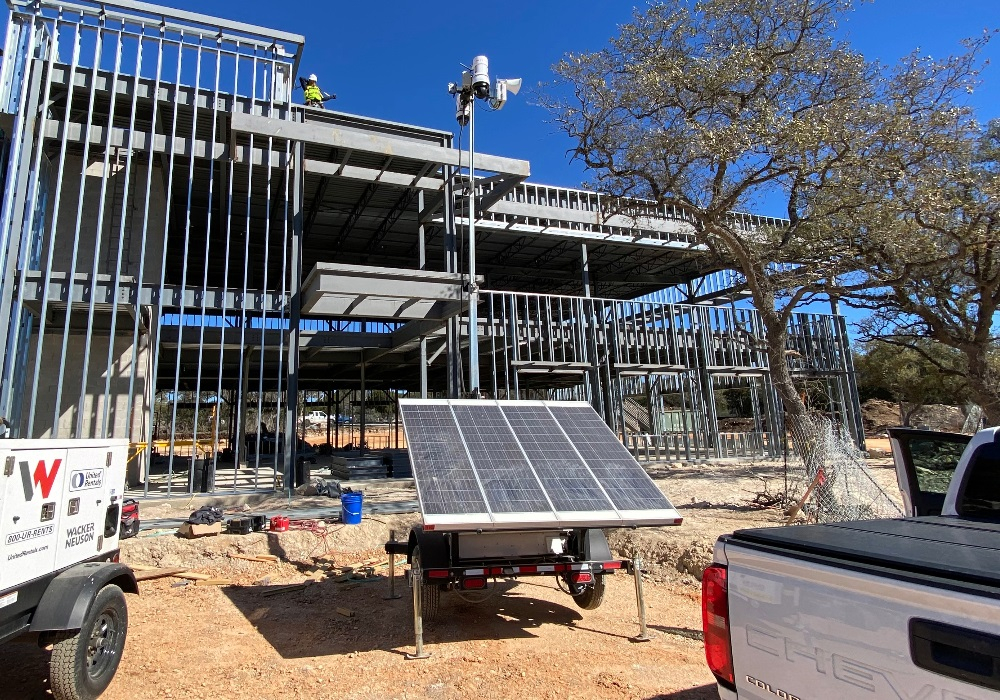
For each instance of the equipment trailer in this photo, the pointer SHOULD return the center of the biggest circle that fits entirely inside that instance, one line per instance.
(519, 488)
(60, 520)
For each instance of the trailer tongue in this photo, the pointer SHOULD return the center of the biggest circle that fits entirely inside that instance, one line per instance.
(520, 488)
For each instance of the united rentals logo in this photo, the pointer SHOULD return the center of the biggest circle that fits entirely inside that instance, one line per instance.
(42, 477)
(85, 480)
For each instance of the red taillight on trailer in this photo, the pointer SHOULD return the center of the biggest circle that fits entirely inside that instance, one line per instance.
(715, 622)
(473, 583)
(437, 573)
(581, 577)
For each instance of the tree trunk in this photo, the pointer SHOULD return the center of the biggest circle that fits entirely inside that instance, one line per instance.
(907, 416)
(983, 384)
(796, 415)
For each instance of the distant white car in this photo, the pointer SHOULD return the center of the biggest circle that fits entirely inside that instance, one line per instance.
(314, 417)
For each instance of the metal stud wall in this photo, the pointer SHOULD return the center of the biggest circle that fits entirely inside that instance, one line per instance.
(186, 253)
(142, 238)
(652, 369)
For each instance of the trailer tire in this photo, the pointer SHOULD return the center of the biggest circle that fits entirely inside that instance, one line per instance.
(430, 594)
(591, 597)
(84, 661)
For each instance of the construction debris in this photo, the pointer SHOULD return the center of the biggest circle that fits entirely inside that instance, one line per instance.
(286, 589)
(191, 530)
(148, 574)
(266, 558)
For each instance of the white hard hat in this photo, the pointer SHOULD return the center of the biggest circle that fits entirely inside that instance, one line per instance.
(312, 77)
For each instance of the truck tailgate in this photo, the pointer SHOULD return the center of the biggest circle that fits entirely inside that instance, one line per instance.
(881, 609)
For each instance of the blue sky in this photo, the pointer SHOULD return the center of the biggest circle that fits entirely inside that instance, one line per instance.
(394, 58)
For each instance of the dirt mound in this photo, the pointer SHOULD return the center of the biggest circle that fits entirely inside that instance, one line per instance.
(879, 415)
(663, 555)
(938, 417)
(301, 551)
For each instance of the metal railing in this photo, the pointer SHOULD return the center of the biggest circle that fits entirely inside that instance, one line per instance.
(631, 356)
(122, 173)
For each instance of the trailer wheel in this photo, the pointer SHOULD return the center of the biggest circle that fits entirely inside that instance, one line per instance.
(591, 597)
(430, 594)
(84, 661)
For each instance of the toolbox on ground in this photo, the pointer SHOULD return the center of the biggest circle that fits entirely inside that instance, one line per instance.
(240, 525)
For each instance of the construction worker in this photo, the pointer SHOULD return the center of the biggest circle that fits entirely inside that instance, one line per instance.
(314, 97)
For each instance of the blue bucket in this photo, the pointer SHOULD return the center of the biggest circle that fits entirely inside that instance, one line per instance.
(350, 508)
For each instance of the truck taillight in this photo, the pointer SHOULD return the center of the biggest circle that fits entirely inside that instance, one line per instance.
(715, 622)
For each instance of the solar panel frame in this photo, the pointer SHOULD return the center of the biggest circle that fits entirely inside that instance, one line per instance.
(497, 468)
(570, 458)
(489, 518)
(426, 490)
(642, 486)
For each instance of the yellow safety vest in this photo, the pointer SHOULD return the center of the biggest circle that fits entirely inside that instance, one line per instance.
(313, 93)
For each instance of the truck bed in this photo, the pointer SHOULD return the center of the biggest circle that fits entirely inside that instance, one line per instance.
(881, 609)
(965, 552)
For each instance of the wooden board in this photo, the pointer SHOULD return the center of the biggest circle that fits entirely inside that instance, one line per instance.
(193, 576)
(151, 573)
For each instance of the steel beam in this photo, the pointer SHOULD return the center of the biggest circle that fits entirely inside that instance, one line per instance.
(502, 185)
(398, 209)
(147, 90)
(355, 172)
(352, 219)
(149, 294)
(373, 143)
(179, 146)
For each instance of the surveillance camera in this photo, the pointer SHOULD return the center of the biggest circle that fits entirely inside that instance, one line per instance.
(463, 109)
(481, 77)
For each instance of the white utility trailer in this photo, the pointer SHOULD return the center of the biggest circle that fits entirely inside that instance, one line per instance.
(520, 488)
(60, 579)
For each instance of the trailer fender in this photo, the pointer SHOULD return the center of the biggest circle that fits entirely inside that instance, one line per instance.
(68, 598)
(433, 548)
(594, 545)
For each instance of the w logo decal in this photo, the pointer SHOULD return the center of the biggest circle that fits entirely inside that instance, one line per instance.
(42, 478)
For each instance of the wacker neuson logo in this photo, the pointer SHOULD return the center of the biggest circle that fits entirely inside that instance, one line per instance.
(30, 534)
(81, 534)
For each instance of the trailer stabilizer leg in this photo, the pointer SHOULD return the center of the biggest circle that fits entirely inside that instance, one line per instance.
(640, 600)
(392, 570)
(416, 582)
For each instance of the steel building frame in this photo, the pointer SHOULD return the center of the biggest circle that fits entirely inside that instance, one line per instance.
(186, 251)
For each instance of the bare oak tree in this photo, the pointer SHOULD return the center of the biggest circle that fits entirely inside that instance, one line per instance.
(719, 105)
(941, 278)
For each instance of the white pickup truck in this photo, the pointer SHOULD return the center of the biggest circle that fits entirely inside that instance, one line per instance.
(906, 608)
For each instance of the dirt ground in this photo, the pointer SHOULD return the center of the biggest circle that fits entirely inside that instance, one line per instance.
(254, 640)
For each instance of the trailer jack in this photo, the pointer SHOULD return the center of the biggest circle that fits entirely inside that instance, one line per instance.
(640, 600)
(392, 568)
(417, 584)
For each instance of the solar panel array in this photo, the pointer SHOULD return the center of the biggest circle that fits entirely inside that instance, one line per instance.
(482, 464)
